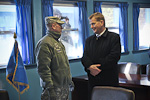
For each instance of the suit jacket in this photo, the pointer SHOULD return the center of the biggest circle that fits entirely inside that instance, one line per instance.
(105, 50)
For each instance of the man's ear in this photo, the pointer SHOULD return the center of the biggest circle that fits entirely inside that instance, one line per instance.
(102, 22)
(53, 26)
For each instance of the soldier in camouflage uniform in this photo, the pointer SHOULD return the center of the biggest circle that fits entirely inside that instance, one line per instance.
(52, 63)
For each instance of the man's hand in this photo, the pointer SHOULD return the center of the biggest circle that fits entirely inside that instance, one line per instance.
(94, 70)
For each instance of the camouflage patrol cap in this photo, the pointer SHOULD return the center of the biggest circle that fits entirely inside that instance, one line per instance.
(52, 19)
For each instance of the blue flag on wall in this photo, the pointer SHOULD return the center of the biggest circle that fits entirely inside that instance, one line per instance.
(15, 71)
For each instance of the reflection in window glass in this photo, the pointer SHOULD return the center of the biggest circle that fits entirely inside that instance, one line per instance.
(70, 33)
(7, 28)
(144, 28)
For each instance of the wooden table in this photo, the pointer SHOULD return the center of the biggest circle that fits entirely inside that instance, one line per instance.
(140, 84)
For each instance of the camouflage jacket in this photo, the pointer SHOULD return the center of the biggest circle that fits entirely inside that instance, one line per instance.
(52, 63)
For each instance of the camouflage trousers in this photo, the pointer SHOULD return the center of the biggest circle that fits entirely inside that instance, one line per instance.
(61, 94)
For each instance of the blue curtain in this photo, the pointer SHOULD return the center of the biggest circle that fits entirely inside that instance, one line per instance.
(136, 11)
(123, 25)
(47, 10)
(97, 6)
(83, 23)
(24, 30)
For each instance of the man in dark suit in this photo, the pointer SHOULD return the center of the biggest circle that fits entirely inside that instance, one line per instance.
(101, 53)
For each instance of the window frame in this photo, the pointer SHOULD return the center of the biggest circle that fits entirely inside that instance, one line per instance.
(6, 2)
(142, 5)
(6, 32)
(69, 4)
(115, 5)
(111, 5)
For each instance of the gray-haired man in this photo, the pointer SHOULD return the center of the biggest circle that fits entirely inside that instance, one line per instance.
(52, 63)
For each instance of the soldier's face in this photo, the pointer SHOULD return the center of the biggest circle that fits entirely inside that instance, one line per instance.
(57, 27)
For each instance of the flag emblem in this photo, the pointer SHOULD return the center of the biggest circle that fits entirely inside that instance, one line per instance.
(15, 71)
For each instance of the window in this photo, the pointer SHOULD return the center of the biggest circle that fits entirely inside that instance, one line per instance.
(7, 28)
(116, 19)
(111, 14)
(144, 28)
(70, 34)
